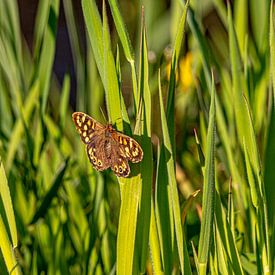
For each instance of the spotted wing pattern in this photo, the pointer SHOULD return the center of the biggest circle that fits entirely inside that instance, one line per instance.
(128, 147)
(86, 126)
(119, 161)
(96, 153)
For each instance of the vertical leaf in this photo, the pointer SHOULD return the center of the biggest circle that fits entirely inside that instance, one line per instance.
(208, 200)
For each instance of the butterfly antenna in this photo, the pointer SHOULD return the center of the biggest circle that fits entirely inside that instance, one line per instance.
(104, 115)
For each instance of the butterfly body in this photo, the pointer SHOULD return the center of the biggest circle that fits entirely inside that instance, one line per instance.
(105, 146)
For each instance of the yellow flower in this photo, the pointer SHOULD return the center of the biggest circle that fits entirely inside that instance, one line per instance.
(186, 76)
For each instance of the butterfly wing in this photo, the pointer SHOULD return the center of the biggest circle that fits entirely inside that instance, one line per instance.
(86, 126)
(96, 153)
(128, 147)
(119, 161)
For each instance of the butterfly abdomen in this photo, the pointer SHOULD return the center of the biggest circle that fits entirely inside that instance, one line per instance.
(108, 148)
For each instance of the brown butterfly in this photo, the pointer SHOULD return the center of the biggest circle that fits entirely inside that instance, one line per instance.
(105, 146)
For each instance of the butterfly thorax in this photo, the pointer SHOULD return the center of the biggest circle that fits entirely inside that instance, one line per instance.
(108, 140)
(108, 130)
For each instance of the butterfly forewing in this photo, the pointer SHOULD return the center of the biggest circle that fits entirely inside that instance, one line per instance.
(86, 126)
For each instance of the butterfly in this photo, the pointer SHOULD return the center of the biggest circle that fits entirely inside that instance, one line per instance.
(105, 146)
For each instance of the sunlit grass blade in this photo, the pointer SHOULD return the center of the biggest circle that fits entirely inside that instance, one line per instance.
(7, 250)
(269, 157)
(6, 199)
(209, 190)
(243, 121)
(126, 44)
(94, 26)
(241, 22)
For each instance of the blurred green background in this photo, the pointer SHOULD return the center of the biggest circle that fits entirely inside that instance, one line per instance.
(202, 201)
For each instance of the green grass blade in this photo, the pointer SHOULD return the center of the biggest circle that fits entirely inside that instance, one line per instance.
(126, 44)
(18, 127)
(7, 202)
(46, 57)
(7, 250)
(227, 237)
(77, 53)
(41, 19)
(110, 77)
(164, 213)
(94, 26)
(174, 199)
(241, 22)
(269, 157)
(154, 243)
(143, 128)
(170, 113)
(272, 47)
(243, 120)
(209, 190)
(64, 101)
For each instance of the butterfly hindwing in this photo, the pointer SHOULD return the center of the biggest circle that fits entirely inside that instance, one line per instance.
(86, 126)
(119, 163)
(96, 153)
(129, 147)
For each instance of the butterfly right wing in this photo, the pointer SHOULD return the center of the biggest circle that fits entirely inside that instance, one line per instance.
(86, 126)
(119, 161)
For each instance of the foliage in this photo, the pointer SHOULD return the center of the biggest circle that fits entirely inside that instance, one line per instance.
(196, 84)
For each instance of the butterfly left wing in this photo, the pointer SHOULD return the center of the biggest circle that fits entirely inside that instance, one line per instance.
(86, 126)
(128, 147)
(96, 153)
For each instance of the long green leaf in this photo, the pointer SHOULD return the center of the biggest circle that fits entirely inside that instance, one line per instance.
(174, 199)
(208, 200)
(7, 202)
(46, 58)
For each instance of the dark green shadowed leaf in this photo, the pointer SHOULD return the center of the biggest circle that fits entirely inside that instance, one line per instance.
(18, 129)
(46, 202)
(164, 213)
